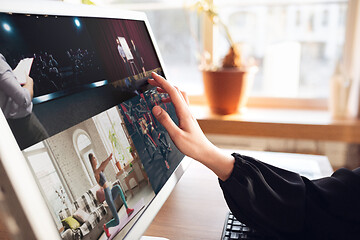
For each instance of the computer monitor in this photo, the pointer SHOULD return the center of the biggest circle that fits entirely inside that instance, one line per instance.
(88, 99)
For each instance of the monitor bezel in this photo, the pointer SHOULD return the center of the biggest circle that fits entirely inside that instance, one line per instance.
(14, 195)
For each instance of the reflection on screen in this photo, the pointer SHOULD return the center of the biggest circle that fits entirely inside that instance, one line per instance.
(88, 134)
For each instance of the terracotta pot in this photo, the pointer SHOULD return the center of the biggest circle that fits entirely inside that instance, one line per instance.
(227, 90)
(118, 165)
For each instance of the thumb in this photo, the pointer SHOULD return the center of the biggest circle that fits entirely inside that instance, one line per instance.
(163, 117)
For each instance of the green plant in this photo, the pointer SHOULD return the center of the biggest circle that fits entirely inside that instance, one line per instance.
(88, 2)
(115, 143)
(233, 57)
(129, 149)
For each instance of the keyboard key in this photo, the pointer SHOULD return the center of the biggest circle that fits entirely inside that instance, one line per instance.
(234, 235)
(236, 223)
(243, 236)
(236, 228)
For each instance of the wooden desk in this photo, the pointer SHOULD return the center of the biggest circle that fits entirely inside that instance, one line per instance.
(196, 208)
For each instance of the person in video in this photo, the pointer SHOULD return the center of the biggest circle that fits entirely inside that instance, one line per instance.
(277, 202)
(15, 102)
(123, 57)
(110, 194)
(139, 59)
(130, 81)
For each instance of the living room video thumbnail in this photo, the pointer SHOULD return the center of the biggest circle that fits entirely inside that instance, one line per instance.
(106, 169)
(68, 166)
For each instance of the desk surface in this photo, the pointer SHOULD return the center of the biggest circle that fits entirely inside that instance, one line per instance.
(196, 208)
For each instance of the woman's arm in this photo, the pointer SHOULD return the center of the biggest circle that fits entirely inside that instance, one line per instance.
(188, 136)
(276, 201)
(22, 96)
(103, 165)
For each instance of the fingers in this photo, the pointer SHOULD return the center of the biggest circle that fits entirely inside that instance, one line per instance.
(163, 117)
(160, 90)
(177, 97)
(153, 82)
(166, 100)
(162, 83)
(186, 98)
(184, 95)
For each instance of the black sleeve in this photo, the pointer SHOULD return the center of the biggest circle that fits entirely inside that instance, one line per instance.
(289, 206)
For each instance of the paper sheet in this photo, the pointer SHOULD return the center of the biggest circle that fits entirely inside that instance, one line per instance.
(23, 69)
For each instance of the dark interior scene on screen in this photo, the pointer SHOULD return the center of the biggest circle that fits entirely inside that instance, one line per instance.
(62, 51)
(81, 66)
(126, 50)
(157, 152)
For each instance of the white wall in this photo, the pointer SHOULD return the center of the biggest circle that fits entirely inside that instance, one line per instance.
(69, 162)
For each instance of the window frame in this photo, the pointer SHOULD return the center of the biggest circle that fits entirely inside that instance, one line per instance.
(80, 153)
(47, 149)
(105, 139)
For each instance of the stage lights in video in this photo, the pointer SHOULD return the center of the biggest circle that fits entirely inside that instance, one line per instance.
(6, 27)
(77, 22)
(99, 84)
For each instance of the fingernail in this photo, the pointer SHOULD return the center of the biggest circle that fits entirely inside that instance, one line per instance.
(157, 111)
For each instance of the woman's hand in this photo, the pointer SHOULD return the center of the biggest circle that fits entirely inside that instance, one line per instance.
(188, 136)
(29, 85)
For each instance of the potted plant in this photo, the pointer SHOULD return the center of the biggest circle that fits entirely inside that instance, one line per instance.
(132, 152)
(116, 145)
(226, 86)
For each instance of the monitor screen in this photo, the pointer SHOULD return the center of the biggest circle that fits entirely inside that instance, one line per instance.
(86, 110)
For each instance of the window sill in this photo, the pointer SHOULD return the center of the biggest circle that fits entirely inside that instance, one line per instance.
(274, 102)
(282, 123)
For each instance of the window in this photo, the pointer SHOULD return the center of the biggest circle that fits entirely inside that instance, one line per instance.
(177, 33)
(83, 141)
(48, 178)
(295, 43)
(83, 147)
(113, 134)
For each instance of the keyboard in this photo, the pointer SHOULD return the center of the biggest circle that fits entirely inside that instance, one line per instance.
(233, 229)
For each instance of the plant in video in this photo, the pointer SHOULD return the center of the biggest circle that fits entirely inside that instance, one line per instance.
(113, 137)
(61, 195)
